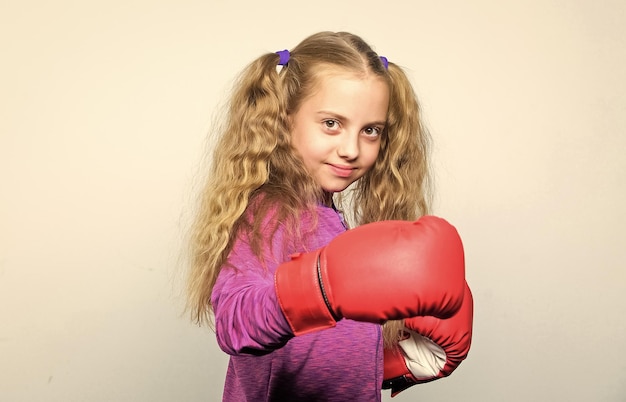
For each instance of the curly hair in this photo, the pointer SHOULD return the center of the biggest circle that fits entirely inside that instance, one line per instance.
(255, 167)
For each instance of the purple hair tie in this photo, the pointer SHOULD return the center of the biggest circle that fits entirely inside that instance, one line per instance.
(284, 57)
(385, 62)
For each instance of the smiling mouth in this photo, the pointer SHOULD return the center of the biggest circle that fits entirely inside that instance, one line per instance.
(341, 171)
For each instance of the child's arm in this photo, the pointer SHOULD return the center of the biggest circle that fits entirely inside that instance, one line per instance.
(248, 318)
(433, 348)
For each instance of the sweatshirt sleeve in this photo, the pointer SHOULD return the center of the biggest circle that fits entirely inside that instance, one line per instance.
(248, 318)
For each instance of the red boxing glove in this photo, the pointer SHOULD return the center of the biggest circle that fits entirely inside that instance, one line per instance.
(376, 272)
(433, 348)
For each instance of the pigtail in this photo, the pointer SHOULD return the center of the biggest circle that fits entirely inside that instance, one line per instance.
(254, 124)
(397, 187)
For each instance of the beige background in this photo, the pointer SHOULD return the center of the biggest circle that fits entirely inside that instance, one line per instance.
(104, 107)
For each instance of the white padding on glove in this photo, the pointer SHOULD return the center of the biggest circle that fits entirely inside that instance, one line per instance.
(423, 357)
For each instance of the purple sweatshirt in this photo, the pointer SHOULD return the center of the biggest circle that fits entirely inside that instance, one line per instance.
(267, 362)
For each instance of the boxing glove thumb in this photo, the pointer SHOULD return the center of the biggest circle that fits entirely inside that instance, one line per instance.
(431, 348)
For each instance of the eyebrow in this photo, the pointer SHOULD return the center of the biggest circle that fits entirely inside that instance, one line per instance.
(344, 118)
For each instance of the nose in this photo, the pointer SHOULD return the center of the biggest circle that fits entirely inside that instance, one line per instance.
(348, 147)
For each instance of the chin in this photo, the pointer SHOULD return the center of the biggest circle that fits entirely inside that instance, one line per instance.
(335, 189)
(336, 185)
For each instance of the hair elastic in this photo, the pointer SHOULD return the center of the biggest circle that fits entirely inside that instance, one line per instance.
(385, 62)
(284, 57)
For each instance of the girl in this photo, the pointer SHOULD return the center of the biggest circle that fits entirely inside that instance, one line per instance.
(297, 299)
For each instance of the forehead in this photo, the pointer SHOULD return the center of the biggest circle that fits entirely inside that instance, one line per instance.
(326, 74)
(349, 93)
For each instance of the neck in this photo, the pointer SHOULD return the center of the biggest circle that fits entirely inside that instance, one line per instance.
(327, 199)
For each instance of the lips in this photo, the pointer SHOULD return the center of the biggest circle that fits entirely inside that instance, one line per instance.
(341, 171)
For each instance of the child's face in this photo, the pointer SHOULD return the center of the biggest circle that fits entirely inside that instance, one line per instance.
(337, 130)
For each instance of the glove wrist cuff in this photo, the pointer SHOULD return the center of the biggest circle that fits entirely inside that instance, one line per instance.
(299, 294)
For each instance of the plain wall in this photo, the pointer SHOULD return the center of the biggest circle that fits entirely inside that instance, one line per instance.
(104, 111)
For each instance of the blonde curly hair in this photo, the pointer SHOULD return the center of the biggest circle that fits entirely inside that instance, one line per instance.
(255, 166)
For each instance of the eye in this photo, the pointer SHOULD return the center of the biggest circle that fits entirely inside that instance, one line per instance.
(372, 131)
(331, 124)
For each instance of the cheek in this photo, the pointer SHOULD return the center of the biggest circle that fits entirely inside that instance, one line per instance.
(299, 143)
(371, 154)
